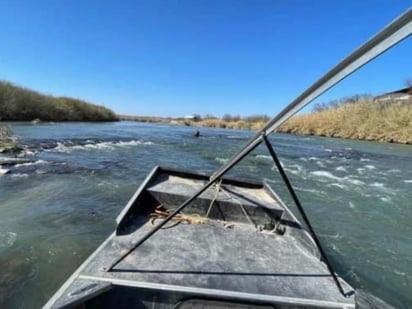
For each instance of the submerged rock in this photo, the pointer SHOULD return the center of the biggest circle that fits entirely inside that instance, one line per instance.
(6, 161)
(3, 171)
(7, 142)
(9, 147)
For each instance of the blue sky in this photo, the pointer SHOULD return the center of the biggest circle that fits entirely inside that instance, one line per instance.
(172, 58)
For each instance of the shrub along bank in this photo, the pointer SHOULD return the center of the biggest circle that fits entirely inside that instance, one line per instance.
(18, 103)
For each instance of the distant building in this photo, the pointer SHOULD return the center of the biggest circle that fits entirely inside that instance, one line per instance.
(400, 95)
(192, 117)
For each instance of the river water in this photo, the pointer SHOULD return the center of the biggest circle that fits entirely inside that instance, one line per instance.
(60, 204)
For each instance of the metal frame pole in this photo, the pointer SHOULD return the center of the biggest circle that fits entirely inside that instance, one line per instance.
(302, 212)
(395, 32)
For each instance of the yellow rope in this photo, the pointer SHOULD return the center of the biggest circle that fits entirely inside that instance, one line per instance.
(217, 186)
(241, 206)
(162, 212)
(220, 188)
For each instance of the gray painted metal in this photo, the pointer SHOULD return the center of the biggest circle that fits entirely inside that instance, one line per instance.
(204, 260)
(207, 293)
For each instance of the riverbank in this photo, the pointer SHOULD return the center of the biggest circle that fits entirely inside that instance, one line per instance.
(226, 122)
(359, 119)
(362, 120)
(22, 104)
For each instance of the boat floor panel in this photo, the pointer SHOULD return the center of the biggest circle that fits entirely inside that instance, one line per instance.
(211, 256)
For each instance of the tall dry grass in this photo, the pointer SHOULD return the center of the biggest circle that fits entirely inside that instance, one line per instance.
(225, 124)
(364, 120)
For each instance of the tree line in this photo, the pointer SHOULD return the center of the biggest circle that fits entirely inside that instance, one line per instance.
(22, 104)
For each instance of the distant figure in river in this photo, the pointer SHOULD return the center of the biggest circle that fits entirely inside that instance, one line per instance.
(196, 134)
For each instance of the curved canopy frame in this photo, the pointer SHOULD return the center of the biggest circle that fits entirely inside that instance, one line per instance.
(388, 37)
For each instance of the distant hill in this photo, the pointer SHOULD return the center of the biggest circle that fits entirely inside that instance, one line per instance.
(18, 103)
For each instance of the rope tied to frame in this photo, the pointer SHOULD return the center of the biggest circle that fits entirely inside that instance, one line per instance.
(212, 202)
(219, 188)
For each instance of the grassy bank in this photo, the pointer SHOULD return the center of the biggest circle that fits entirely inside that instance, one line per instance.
(21, 104)
(145, 119)
(362, 119)
(233, 124)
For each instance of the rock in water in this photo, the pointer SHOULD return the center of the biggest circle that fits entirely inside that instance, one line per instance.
(3, 171)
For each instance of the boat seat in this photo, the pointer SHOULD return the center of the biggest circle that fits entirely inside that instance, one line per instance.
(224, 202)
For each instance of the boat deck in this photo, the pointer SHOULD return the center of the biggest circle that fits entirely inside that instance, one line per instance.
(228, 255)
(211, 256)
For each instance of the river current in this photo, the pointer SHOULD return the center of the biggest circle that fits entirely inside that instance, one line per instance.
(59, 202)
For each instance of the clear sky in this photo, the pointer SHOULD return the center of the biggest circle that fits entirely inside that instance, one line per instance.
(178, 57)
